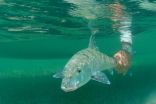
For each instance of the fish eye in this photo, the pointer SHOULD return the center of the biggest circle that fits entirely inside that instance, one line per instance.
(79, 71)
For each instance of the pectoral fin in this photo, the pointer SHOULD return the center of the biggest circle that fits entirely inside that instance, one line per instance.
(111, 72)
(58, 75)
(101, 77)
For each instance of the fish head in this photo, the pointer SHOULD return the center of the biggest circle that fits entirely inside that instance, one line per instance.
(75, 76)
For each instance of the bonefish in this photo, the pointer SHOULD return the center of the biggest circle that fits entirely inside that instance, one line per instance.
(85, 65)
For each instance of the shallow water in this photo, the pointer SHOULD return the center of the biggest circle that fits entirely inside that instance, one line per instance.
(37, 38)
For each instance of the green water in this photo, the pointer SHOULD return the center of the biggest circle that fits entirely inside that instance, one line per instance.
(37, 38)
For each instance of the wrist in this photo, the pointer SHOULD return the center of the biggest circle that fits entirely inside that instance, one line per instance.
(127, 47)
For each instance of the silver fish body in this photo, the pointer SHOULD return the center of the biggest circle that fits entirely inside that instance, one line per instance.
(92, 59)
(85, 65)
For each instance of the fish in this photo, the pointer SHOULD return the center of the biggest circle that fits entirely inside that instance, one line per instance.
(87, 64)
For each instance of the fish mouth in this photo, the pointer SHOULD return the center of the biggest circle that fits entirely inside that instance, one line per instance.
(69, 86)
(68, 89)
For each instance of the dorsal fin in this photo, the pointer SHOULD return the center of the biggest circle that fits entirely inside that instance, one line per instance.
(92, 43)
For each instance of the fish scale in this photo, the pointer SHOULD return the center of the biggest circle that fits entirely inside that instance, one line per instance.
(93, 58)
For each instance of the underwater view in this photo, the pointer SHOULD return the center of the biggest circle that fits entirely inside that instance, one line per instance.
(113, 43)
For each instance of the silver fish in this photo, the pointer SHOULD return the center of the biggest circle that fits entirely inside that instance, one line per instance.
(85, 65)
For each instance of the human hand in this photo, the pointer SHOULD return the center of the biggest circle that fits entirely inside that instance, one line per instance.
(123, 60)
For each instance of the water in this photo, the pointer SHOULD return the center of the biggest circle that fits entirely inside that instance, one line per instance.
(37, 38)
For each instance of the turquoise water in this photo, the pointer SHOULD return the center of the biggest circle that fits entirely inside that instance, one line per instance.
(37, 38)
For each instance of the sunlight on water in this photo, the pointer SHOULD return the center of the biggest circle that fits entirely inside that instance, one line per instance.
(89, 9)
(44, 19)
(148, 6)
(2, 2)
